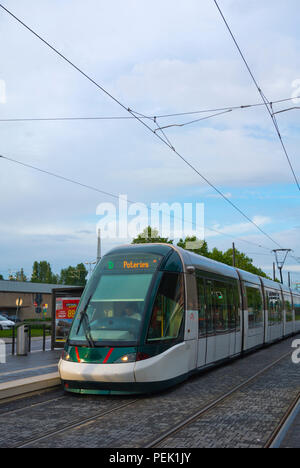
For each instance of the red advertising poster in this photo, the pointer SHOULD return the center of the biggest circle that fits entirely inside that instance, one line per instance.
(65, 311)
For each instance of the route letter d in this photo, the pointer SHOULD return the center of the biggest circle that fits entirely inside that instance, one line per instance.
(296, 354)
(2, 352)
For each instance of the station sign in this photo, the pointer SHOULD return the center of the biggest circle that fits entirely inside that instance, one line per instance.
(65, 309)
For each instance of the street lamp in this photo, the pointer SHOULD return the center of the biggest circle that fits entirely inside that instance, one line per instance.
(19, 302)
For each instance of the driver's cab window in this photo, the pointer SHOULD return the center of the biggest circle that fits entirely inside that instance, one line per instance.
(118, 320)
(168, 310)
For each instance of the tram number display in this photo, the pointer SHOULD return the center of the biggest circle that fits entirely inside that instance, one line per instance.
(64, 313)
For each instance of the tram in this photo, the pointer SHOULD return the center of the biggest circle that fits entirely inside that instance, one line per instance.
(153, 314)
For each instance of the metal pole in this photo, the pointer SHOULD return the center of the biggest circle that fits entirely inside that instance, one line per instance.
(281, 278)
(281, 262)
(44, 337)
(274, 271)
(29, 338)
(289, 278)
(13, 340)
(99, 246)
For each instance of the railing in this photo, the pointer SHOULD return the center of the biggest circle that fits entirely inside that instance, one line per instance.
(43, 325)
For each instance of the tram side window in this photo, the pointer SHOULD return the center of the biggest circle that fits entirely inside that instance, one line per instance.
(237, 305)
(288, 308)
(274, 307)
(255, 306)
(221, 309)
(218, 305)
(209, 300)
(297, 307)
(201, 306)
(168, 310)
(233, 307)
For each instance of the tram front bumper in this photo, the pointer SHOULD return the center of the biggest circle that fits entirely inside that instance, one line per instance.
(83, 372)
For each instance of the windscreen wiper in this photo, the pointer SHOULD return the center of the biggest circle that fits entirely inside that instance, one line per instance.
(84, 320)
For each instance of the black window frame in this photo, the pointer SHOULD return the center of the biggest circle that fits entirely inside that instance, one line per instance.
(255, 324)
(168, 341)
(210, 328)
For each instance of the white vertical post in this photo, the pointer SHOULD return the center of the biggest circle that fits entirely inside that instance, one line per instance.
(2, 352)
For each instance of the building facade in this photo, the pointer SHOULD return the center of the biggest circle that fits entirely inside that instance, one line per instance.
(34, 299)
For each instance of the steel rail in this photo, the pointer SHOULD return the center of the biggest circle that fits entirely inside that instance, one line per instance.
(71, 425)
(31, 405)
(202, 411)
(285, 423)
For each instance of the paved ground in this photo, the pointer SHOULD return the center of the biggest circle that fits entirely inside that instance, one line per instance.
(246, 420)
(37, 363)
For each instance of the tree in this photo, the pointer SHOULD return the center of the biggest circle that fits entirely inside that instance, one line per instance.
(218, 256)
(1, 277)
(193, 244)
(241, 260)
(42, 273)
(20, 275)
(74, 276)
(150, 236)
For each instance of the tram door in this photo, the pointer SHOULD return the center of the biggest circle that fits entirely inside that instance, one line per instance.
(202, 321)
(222, 293)
(219, 330)
(211, 343)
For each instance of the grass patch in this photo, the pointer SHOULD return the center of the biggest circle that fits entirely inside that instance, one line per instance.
(36, 331)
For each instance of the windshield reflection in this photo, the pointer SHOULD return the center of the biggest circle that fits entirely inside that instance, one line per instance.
(114, 300)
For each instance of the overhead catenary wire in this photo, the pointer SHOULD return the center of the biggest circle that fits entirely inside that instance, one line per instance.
(126, 108)
(193, 121)
(265, 100)
(148, 117)
(286, 110)
(103, 192)
(109, 194)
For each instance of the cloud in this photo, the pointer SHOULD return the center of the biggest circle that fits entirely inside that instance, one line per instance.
(237, 229)
(156, 58)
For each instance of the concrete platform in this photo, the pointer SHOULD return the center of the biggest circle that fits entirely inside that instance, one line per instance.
(24, 374)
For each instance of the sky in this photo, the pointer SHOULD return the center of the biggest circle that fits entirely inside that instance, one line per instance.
(157, 58)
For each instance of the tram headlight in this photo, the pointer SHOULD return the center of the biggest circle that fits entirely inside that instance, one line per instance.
(130, 357)
(65, 356)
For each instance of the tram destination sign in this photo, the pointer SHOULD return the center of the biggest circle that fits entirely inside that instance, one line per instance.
(129, 263)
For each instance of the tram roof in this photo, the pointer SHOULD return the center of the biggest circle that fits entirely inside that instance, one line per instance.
(203, 263)
(159, 249)
(207, 264)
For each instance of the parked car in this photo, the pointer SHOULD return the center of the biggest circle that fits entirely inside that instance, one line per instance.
(4, 315)
(6, 324)
(14, 318)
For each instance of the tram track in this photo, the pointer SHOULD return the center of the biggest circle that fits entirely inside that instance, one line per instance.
(278, 434)
(71, 425)
(30, 406)
(151, 443)
(155, 443)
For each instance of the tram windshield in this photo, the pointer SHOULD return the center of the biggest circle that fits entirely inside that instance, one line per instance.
(113, 303)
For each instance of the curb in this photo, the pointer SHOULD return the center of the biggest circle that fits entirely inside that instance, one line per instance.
(28, 385)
